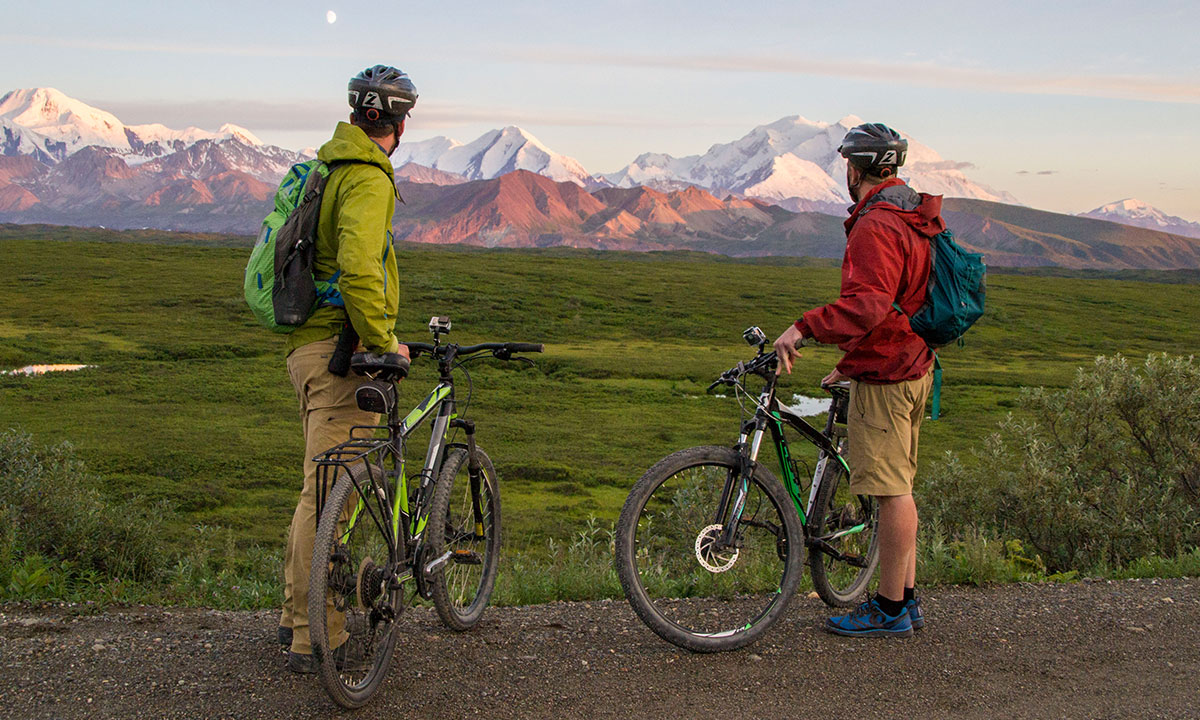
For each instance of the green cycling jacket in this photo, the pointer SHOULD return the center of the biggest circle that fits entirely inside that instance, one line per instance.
(354, 241)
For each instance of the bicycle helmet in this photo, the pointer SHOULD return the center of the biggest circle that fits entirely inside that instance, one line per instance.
(382, 96)
(874, 148)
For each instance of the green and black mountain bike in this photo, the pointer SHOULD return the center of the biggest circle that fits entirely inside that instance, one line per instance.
(379, 529)
(710, 544)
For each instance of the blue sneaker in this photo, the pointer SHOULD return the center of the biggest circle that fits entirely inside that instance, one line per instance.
(913, 607)
(868, 620)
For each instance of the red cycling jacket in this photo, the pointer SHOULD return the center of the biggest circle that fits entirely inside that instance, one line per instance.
(887, 260)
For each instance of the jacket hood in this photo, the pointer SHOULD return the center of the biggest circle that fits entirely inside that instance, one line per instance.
(351, 143)
(923, 212)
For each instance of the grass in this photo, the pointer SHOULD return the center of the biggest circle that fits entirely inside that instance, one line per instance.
(189, 403)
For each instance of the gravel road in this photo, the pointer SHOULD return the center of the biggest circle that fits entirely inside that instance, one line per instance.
(1085, 650)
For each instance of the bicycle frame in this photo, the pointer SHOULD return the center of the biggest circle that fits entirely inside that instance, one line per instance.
(377, 454)
(771, 417)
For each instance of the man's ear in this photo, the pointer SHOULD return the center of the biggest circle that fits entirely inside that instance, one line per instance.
(400, 128)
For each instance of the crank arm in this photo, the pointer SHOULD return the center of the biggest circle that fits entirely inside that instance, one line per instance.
(825, 547)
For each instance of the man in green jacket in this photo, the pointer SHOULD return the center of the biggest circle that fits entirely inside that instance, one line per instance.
(354, 247)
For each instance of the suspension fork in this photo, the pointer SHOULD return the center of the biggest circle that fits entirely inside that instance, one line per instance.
(474, 473)
(748, 446)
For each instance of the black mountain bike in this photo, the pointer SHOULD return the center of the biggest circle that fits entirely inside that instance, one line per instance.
(379, 529)
(710, 544)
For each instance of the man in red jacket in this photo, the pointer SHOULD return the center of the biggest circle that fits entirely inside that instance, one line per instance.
(887, 261)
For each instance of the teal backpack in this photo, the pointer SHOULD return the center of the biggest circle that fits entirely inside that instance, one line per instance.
(954, 301)
(279, 285)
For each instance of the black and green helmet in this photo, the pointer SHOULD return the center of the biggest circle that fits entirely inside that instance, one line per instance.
(874, 148)
(382, 95)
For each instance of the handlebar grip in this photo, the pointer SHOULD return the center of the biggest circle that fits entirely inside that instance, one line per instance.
(524, 347)
(418, 347)
(339, 361)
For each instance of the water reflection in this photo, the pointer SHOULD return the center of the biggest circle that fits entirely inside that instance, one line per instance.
(42, 369)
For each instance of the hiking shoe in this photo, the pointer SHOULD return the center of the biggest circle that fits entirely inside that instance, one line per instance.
(284, 636)
(302, 663)
(913, 607)
(868, 620)
(305, 664)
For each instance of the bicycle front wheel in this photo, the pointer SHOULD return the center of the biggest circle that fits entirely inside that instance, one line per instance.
(681, 579)
(844, 528)
(464, 537)
(353, 601)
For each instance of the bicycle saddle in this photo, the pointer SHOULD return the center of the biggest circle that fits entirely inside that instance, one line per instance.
(386, 366)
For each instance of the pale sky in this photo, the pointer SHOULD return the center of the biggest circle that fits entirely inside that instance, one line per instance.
(1067, 105)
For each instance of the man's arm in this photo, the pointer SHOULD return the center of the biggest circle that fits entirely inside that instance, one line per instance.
(362, 239)
(870, 279)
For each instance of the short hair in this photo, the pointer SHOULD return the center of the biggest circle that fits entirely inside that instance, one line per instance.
(375, 128)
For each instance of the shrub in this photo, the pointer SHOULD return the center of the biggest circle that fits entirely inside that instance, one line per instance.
(50, 508)
(1090, 477)
(63, 539)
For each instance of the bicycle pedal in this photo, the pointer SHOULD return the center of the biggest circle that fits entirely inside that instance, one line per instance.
(467, 557)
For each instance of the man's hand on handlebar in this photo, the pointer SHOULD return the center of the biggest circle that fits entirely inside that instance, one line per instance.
(832, 378)
(787, 349)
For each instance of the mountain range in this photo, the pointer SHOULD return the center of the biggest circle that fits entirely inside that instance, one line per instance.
(1134, 212)
(770, 192)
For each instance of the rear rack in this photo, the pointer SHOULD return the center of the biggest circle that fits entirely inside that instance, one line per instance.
(342, 458)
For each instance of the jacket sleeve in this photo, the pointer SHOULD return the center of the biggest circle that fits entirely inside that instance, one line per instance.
(362, 240)
(870, 280)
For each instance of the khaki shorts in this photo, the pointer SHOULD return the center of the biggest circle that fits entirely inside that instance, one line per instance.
(882, 425)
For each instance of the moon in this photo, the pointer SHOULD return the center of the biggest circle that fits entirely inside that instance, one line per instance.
(330, 17)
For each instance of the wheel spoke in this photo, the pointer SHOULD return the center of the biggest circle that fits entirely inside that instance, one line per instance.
(461, 588)
(693, 582)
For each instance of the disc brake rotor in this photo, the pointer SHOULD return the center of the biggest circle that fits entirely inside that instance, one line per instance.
(710, 555)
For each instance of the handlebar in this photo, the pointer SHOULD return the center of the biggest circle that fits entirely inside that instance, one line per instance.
(497, 348)
(763, 365)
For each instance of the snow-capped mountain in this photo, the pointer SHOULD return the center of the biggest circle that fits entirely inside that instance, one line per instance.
(794, 162)
(50, 126)
(1139, 214)
(491, 155)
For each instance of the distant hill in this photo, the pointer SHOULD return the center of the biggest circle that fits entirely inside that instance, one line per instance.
(1022, 237)
(202, 189)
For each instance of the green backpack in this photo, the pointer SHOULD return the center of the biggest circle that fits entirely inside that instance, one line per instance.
(956, 292)
(279, 285)
(954, 301)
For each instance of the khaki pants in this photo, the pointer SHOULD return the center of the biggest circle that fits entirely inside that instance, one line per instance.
(327, 412)
(883, 424)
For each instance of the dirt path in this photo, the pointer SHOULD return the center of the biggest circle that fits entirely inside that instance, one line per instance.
(1086, 650)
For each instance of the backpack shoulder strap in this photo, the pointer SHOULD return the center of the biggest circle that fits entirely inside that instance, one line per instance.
(347, 161)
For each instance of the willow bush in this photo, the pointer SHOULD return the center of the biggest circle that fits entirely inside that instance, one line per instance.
(1090, 477)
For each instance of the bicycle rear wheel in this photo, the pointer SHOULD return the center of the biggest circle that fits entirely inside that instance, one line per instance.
(353, 602)
(468, 547)
(680, 581)
(847, 525)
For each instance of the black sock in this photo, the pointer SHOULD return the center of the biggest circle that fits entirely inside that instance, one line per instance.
(909, 594)
(890, 607)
